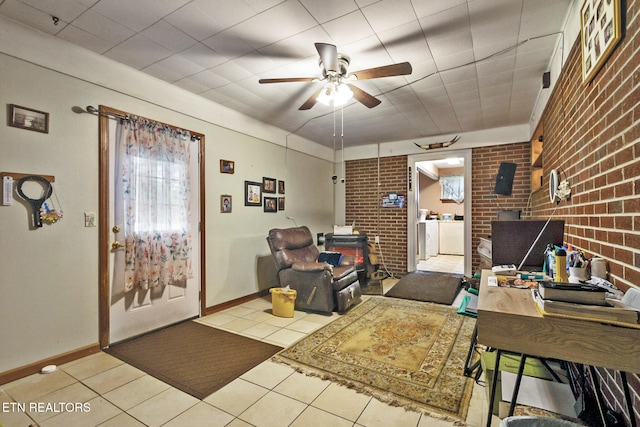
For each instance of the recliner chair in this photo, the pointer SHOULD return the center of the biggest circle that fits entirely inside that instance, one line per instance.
(320, 286)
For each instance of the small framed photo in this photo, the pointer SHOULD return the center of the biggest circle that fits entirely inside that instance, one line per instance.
(252, 193)
(27, 118)
(268, 185)
(271, 204)
(280, 203)
(227, 166)
(280, 187)
(226, 203)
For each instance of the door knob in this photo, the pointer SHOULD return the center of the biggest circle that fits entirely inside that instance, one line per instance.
(116, 245)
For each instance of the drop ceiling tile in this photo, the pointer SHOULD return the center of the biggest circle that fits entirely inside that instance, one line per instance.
(462, 58)
(426, 8)
(203, 56)
(226, 13)
(169, 36)
(327, 10)
(386, 14)
(231, 71)
(267, 27)
(82, 38)
(194, 22)
(30, 16)
(191, 85)
(162, 73)
(358, 27)
(144, 14)
(181, 65)
(210, 79)
(103, 27)
(66, 10)
(138, 52)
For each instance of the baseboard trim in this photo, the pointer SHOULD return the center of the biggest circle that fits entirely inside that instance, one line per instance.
(235, 302)
(60, 359)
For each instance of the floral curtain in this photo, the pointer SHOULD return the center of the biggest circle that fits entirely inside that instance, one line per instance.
(153, 167)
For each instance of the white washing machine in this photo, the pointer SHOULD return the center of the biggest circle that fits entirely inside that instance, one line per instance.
(431, 242)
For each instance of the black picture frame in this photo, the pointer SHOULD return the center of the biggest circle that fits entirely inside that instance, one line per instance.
(280, 203)
(280, 187)
(271, 204)
(269, 185)
(252, 193)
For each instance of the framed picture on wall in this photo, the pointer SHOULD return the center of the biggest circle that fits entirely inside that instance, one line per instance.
(226, 203)
(27, 118)
(271, 204)
(281, 187)
(268, 185)
(280, 203)
(600, 30)
(252, 193)
(227, 166)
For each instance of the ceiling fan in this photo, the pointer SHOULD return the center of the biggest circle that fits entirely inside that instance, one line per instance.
(338, 87)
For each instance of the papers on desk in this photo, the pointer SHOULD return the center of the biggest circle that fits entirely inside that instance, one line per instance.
(615, 312)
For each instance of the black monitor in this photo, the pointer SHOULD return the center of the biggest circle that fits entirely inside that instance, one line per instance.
(511, 240)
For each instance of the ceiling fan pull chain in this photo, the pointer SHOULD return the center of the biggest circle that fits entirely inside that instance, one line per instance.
(342, 141)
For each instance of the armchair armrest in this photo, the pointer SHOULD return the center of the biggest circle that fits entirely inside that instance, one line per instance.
(310, 266)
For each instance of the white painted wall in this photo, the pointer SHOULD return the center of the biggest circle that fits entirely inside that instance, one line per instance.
(49, 279)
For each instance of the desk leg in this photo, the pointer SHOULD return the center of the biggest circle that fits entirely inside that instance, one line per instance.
(468, 367)
(494, 385)
(516, 388)
(627, 397)
(598, 393)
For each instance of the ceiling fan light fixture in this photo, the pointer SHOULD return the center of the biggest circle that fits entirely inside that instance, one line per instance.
(335, 94)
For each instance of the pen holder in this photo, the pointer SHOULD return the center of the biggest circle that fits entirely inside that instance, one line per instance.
(577, 274)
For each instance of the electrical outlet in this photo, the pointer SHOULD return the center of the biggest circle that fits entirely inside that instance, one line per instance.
(376, 239)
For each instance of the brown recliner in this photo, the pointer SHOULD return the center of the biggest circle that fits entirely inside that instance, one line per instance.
(320, 286)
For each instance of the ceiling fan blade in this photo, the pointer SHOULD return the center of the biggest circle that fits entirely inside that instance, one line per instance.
(400, 69)
(329, 56)
(288, 80)
(311, 101)
(363, 97)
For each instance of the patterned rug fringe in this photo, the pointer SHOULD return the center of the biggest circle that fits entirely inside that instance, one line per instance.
(387, 398)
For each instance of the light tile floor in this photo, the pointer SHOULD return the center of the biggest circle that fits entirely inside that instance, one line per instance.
(443, 263)
(100, 390)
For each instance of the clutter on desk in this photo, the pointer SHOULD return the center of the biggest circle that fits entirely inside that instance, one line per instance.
(614, 312)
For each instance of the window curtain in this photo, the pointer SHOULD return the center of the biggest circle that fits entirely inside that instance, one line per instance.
(153, 169)
(452, 187)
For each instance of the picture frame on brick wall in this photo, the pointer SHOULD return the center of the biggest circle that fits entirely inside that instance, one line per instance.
(600, 31)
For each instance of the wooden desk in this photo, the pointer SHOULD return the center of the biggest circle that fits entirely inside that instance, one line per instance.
(508, 320)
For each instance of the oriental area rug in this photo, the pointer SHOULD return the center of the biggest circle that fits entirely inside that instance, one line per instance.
(405, 353)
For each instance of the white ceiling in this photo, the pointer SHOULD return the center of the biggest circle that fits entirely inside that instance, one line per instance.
(477, 64)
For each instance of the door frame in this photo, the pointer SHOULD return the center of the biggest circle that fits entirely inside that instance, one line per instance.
(104, 235)
(412, 204)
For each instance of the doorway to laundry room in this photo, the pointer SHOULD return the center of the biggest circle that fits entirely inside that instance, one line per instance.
(439, 220)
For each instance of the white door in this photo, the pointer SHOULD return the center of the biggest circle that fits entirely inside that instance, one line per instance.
(138, 311)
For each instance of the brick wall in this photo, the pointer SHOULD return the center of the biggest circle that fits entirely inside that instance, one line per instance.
(364, 206)
(592, 136)
(485, 164)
